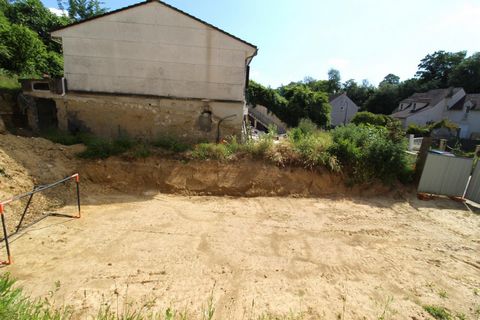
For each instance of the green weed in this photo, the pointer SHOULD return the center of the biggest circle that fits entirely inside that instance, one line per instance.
(439, 313)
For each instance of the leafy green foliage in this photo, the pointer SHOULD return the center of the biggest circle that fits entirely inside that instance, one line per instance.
(438, 66)
(26, 48)
(365, 117)
(467, 74)
(292, 103)
(35, 16)
(425, 131)
(368, 152)
(82, 9)
(358, 93)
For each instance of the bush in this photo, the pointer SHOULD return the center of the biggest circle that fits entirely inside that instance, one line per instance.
(366, 117)
(417, 130)
(368, 152)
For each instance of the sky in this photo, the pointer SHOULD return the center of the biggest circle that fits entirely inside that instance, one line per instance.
(363, 39)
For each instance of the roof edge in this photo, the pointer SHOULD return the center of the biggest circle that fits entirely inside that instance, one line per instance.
(163, 3)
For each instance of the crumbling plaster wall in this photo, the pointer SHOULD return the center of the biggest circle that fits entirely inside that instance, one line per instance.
(146, 118)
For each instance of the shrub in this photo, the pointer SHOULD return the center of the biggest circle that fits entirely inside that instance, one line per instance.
(365, 117)
(368, 152)
(418, 130)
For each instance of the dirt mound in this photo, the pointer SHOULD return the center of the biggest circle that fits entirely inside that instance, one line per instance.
(27, 162)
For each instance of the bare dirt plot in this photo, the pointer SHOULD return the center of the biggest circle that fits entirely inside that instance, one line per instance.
(327, 258)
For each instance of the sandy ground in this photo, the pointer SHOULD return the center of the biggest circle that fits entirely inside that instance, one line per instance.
(325, 258)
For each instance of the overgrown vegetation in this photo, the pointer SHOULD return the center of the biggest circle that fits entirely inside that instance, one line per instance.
(426, 130)
(363, 152)
(15, 305)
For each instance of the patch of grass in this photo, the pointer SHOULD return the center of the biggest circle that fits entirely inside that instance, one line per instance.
(443, 294)
(439, 313)
(63, 137)
(171, 144)
(8, 81)
(98, 148)
(141, 150)
(205, 151)
(15, 306)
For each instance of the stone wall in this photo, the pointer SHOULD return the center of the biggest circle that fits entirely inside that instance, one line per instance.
(148, 118)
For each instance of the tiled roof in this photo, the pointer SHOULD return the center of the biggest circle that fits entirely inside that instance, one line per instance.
(430, 99)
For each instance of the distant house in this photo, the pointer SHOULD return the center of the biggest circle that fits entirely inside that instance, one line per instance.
(438, 104)
(343, 109)
(147, 70)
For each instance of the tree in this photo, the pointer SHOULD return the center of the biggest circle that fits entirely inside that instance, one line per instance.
(34, 15)
(437, 67)
(384, 100)
(467, 74)
(358, 93)
(23, 52)
(292, 103)
(82, 9)
(390, 79)
(334, 81)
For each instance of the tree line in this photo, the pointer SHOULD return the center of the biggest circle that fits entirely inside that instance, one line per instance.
(440, 69)
(26, 49)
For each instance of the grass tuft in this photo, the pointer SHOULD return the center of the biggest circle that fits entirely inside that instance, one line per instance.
(439, 313)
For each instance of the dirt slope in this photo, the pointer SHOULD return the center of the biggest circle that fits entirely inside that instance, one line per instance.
(25, 162)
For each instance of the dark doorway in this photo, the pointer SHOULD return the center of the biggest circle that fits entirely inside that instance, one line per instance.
(47, 114)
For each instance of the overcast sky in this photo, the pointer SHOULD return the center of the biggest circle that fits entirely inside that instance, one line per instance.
(364, 39)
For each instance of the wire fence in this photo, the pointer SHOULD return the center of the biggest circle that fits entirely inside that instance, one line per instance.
(25, 201)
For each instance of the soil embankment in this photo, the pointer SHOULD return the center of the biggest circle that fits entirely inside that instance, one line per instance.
(25, 162)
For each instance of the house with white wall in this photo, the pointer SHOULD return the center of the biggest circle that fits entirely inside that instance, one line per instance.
(150, 69)
(343, 109)
(435, 105)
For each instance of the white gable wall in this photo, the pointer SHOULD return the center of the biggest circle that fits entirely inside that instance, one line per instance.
(340, 106)
(152, 49)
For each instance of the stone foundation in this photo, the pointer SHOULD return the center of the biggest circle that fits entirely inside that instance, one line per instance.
(148, 118)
